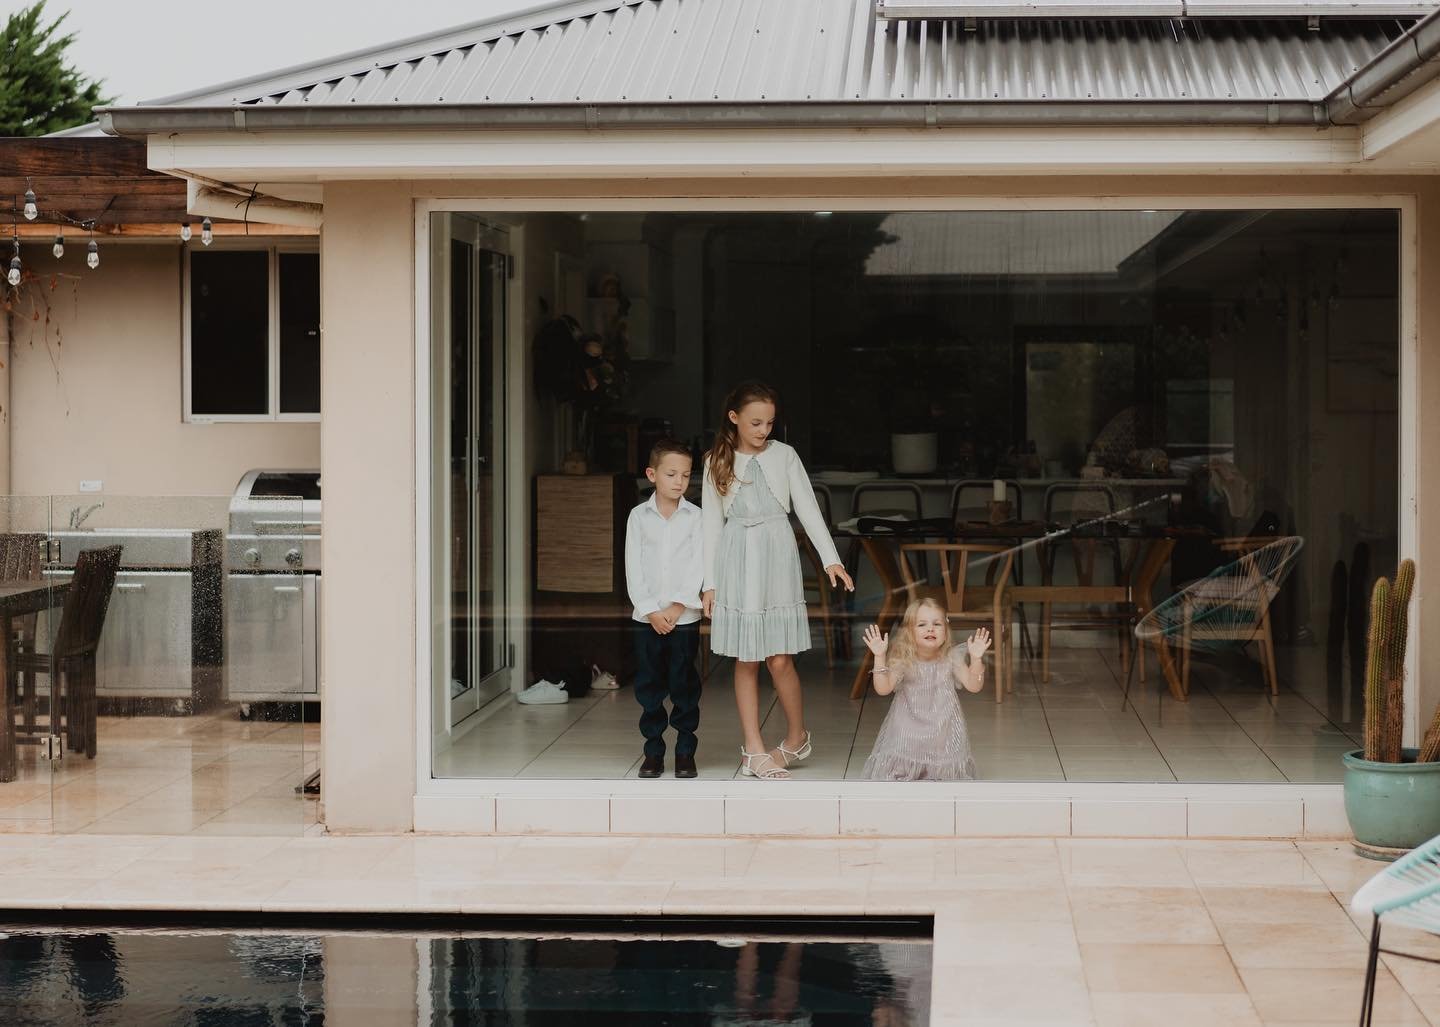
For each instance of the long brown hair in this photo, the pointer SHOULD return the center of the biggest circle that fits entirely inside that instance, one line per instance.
(722, 453)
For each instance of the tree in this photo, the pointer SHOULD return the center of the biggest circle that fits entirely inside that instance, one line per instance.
(39, 91)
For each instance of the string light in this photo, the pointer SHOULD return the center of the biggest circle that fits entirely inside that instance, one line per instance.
(207, 234)
(92, 258)
(31, 210)
(59, 248)
(184, 231)
(13, 277)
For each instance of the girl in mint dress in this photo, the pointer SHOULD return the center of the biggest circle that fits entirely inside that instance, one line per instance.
(754, 591)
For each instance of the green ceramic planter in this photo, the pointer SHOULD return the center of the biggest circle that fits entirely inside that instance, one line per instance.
(1392, 805)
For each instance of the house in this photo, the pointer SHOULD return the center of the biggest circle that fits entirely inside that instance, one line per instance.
(1176, 263)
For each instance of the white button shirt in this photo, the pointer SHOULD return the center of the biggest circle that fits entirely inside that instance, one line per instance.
(664, 559)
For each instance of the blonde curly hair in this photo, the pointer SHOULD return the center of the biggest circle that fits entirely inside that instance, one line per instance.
(902, 639)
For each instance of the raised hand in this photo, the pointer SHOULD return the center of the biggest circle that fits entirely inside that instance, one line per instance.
(977, 644)
(877, 643)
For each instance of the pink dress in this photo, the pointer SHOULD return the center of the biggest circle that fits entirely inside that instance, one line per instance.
(924, 737)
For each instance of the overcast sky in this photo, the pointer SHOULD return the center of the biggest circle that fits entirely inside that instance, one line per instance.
(145, 49)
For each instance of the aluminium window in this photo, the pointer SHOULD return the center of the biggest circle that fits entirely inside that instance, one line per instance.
(252, 334)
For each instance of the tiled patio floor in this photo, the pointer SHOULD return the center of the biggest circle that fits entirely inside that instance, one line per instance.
(1027, 931)
(208, 774)
(1069, 729)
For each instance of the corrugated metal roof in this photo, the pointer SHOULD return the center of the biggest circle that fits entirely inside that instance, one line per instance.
(657, 51)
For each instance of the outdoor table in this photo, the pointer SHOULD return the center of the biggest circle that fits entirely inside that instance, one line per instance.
(18, 598)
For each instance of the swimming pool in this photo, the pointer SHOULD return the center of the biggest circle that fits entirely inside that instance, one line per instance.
(535, 973)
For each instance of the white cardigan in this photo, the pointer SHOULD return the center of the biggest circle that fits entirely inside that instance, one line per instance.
(790, 486)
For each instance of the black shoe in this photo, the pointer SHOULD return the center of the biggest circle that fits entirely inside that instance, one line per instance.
(685, 766)
(653, 766)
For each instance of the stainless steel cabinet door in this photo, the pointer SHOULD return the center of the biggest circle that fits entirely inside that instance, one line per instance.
(270, 640)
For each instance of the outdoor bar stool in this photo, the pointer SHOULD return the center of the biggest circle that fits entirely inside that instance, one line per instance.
(1405, 894)
(887, 498)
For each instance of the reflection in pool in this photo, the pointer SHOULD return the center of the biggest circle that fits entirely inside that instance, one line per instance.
(128, 977)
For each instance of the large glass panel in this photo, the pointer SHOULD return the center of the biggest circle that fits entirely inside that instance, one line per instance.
(299, 332)
(198, 663)
(230, 332)
(470, 571)
(1165, 444)
(33, 717)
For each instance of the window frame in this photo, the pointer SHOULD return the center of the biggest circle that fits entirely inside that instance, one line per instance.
(473, 804)
(272, 249)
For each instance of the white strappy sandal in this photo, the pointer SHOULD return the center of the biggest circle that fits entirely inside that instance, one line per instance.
(799, 755)
(761, 765)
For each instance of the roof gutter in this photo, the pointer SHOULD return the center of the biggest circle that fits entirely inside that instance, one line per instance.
(156, 120)
(1408, 63)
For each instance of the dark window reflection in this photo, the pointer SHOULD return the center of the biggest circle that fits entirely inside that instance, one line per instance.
(229, 332)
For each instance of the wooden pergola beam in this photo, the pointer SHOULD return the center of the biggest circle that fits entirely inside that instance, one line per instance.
(106, 156)
(39, 231)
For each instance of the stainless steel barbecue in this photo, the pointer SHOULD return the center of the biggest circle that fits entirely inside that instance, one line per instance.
(272, 588)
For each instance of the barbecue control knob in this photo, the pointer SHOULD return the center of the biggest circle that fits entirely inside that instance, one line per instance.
(252, 557)
(293, 558)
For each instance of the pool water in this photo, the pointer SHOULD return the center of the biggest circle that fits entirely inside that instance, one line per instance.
(127, 977)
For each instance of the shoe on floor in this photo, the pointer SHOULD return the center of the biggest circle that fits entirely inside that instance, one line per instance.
(602, 680)
(653, 766)
(543, 693)
(685, 766)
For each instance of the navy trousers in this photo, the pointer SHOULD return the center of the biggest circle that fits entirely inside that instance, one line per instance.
(665, 668)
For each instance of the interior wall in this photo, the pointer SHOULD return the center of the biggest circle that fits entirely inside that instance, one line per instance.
(96, 394)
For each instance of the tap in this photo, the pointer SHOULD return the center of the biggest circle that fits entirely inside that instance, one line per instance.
(79, 517)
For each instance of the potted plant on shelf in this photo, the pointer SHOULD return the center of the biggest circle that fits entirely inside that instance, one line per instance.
(1392, 794)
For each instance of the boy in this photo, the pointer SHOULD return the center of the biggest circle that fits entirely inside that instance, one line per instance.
(664, 568)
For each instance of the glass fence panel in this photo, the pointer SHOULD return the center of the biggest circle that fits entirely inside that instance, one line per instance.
(195, 697)
(1153, 454)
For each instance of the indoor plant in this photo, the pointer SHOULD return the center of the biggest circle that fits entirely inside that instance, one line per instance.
(1392, 794)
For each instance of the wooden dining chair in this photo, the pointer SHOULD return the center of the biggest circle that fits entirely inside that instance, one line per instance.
(1067, 505)
(967, 604)
(21, 560)
(70, 663)
(883, 556)
(815, 581)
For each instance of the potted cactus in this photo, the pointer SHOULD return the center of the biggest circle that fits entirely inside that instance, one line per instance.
(1392, 794)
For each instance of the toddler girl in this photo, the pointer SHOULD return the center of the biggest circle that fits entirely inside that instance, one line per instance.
(753, 587)
(924, 737)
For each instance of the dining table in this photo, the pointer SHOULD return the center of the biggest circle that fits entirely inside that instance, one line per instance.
(19, 599)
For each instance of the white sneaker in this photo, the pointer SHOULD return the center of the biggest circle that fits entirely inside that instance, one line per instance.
(602, 680)
(543, 693)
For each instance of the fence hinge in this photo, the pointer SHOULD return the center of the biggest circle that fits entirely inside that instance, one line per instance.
(51, 748)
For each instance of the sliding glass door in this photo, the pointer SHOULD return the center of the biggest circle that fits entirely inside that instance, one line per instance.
(468, 308)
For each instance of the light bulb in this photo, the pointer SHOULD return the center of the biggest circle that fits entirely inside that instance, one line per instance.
(59, 248)
(184, 231)
(92, 259)
(31, 211)
(14, 276)
(207, 235)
